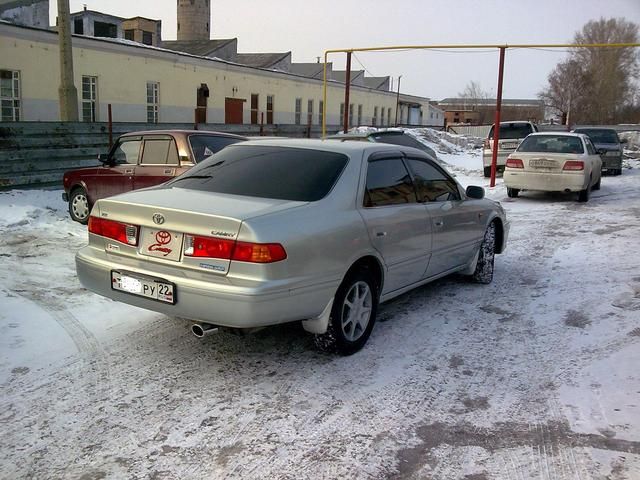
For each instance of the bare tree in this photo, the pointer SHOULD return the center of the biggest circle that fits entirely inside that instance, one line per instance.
(596, 85)
(475, 98)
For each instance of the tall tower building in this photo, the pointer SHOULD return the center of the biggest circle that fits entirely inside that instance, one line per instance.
(193, 20)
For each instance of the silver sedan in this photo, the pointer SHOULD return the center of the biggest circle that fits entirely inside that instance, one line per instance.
(274, 231)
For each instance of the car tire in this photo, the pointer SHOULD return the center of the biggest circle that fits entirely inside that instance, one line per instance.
(583, 195)
(618, 172)
(487, 172)
(512, 192)
(353, 315)
(486, 257)
(79, 207)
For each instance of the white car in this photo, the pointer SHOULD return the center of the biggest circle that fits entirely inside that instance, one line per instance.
(554, 162)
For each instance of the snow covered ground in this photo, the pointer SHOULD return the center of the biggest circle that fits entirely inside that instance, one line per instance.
(533, 376)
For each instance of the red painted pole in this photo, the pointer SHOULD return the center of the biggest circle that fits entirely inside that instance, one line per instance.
(496, 124)
(347, 84)
(110, 125)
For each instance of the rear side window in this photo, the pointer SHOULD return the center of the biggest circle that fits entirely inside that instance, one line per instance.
(513, 130)
(267, 172)
(204, 146)
(159, 151)
(388, 183)
(126, 151)
(432, 184)
(552, 144)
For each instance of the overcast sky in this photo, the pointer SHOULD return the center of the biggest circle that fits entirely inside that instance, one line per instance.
(308, 28)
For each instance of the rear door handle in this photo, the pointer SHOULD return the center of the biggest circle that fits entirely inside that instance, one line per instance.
(128, 170)
(438, 223)
(168, 171)
(381, 234)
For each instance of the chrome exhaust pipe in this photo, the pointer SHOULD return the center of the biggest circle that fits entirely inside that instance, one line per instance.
(201, 330)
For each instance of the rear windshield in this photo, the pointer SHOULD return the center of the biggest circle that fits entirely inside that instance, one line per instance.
(513, 130)
(552, 144)
(599, 136)
(267, 172)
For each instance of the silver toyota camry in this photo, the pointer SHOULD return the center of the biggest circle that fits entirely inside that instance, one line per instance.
(274, 231)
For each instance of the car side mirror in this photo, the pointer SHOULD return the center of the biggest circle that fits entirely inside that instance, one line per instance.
(602, 151)
(103, 157)
(473, 191)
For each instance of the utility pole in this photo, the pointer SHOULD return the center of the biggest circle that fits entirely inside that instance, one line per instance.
(398, 99)
(67, 93)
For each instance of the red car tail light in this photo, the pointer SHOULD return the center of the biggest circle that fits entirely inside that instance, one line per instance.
(514, 163)
(196, 246)
(121, 232)
(575, 165)
(210, 247)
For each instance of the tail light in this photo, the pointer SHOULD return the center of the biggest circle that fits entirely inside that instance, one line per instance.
(574, 165)
(514, 163)
(121, 232)
(210, 247)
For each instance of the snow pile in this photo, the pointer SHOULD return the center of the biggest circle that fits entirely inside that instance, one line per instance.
(632, 147)
(32, 207)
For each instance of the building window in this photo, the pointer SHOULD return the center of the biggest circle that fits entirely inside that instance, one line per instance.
(254, 108)
(78, 26)
(270, 109)
(320, 111)
(351, 114)
(10, 95)
(341, 113)
(382, 116)
(359, 115)
(103, 29)
(153, 101)
(389, 115)
(298, 112)
(147, 38)
(374, 121)
(129, 35)
(309, 112)
(89, 98)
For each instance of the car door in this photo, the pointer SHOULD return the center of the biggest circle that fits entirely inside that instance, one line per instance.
(594, 159)
(398, 226)
(457, 223)
(158, 163)
(117, 176)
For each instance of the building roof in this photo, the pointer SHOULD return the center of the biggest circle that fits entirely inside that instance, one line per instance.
(9, 4)
(312, 70)
(262, 60)
(203, 48)
(95, 12)
(379, 83)
(357, 76)
(490, 101)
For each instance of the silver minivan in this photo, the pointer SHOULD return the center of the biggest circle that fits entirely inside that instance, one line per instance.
(511, 134)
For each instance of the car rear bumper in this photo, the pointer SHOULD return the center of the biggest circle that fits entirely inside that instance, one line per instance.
(487, 156)
(545, 181)
(611, 163)
(219, 304)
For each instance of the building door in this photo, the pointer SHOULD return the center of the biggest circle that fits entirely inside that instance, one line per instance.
(201, 103)
(233, 110)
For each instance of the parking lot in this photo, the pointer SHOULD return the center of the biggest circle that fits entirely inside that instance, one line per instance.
(532, 376)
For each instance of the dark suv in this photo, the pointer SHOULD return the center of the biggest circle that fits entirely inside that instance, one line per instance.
(609, 147)
(138, 160)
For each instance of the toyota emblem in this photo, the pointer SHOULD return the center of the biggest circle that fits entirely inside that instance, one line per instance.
(158, 218)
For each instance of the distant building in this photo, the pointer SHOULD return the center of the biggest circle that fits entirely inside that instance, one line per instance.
(143, 30)
(194, 18)
(96, 24)
(32, 13)
(481, 111)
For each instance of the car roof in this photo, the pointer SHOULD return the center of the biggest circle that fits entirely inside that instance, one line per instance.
(348, 148)
(389, 131)
(564, 134)
(182, 132)
(583, 129)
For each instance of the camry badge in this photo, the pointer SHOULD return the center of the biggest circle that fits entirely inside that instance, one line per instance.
(158, 218)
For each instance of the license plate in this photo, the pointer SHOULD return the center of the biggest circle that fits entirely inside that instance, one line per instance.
(542, 163)
(160, 243)
(612, 154)
(506, 145)
(147, 287)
